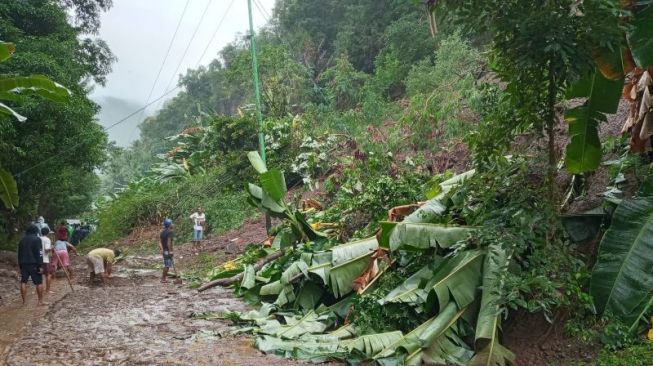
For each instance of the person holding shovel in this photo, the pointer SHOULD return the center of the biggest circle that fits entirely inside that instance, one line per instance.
(165, 244)
(61, 256)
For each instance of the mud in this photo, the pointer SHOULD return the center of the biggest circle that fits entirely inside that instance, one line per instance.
(136, 320)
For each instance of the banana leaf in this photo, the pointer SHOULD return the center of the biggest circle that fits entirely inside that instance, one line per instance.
(249, 277)
(420, 236)
(584, 151)
(433, 342)
(274, 183)
(622, 279)
(8, 189)
(411, 291)
(343, 275)
(321, 349)
(257, 162)
(346, 252)
(486, 342)
(309, 296)
(38, 85)
(640, 37)
(456, 280)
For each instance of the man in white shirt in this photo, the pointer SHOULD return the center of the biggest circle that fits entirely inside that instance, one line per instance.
(198, 219)
(47, 253)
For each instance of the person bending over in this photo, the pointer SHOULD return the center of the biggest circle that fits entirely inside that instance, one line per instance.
(100, 262)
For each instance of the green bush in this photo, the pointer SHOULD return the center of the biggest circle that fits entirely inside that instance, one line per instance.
(443, 92)
(225, 209)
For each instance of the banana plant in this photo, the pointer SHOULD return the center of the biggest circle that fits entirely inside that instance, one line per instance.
(269, 197)
(622, 279)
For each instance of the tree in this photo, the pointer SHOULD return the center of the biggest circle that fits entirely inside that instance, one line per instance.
(540, 49)
(10, 89)
(56, 139)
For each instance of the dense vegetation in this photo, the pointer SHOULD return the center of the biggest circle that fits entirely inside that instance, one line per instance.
(52, 181)
(381, 104)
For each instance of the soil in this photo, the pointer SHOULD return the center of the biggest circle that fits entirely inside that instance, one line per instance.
(135, 320)
(536, 342)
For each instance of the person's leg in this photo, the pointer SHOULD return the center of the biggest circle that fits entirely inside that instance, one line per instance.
(164, 275)
(39, 293)
(23, 291)
(105, 280)
(24, 276)
(166, 267)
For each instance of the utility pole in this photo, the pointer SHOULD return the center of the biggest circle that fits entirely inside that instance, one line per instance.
(257, 96)
(257, 92)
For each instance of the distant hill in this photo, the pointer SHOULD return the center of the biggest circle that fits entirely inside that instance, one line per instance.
(115, 109)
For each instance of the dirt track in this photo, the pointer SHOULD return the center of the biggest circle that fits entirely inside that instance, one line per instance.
(135, 321)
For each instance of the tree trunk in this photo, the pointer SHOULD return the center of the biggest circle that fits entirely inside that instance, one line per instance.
(239, 277)
(550, 129)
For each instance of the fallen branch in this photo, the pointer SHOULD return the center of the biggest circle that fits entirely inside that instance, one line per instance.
(224, 282)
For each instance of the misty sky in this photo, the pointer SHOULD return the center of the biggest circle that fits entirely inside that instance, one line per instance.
(139, 32)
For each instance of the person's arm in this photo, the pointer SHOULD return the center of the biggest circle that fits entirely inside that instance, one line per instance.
(109, 267)
(170, 239)
(36, 250)
(72, 248)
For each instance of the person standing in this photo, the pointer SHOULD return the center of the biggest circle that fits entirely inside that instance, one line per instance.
(62, 257)
(100, 261)
(30, 262)
(47, 254)
(198, 219)
(62, 232)
(41, 224)
(165, 244)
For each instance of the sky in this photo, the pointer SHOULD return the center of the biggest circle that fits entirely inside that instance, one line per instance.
(139, 33)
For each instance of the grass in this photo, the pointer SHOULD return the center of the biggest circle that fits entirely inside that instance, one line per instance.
(640, 354)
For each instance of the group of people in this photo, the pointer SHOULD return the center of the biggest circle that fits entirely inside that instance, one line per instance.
(39, 259)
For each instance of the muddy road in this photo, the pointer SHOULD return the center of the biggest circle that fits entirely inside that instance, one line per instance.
(136, 320)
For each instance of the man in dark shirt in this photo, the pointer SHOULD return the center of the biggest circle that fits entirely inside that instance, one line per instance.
(165, 244)
(30, 260)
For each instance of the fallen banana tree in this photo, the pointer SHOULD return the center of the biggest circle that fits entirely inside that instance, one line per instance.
(307, 293)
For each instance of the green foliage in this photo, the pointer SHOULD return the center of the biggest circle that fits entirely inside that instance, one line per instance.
(621, 280)
(49, 45)
(635, 355)
(367, 189)
(344, 84)
(224, 209)
(443, 93)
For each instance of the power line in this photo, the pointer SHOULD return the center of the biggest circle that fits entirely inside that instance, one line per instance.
(206, 8)
(215, 32)
(165, 58)
(105, 129)
(167, 52)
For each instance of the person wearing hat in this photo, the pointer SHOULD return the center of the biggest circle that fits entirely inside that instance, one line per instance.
(165, 244)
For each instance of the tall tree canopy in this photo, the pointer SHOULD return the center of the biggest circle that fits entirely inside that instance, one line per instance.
(54, 153)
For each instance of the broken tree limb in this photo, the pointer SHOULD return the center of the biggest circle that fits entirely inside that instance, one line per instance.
(231, 280)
